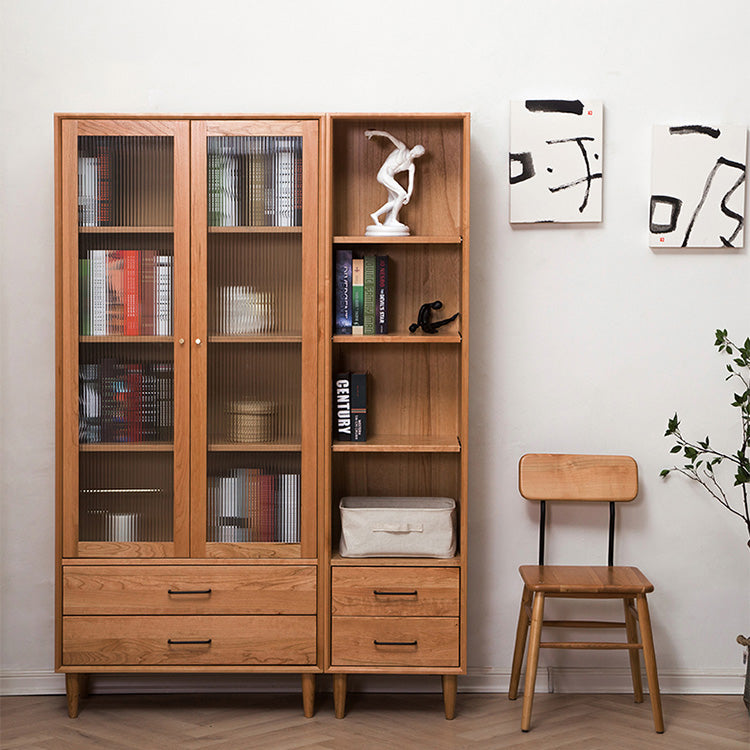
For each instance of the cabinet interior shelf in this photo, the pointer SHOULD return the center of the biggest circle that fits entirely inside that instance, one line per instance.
(256, 447)
(399, 338)
(126, 447)
(290, 338)
(126, 339)
(162, 229)
(404, 562)
(400, 444)
(255, 230)
(443, 239)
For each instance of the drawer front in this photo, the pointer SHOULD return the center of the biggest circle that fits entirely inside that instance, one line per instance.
(189, 590)
(395, 641)
(214, 641)
(400, 592)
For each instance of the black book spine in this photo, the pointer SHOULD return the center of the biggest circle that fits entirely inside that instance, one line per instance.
(342, 407)
(359, 406)
(381, 294)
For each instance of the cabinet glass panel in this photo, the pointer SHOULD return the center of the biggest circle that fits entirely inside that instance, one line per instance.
(125, 327)
(254, 325)
(125, 181)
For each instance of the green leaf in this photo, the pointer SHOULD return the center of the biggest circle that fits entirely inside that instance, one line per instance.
(664, 472)
(676, 449)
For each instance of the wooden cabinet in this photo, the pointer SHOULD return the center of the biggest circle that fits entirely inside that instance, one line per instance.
(187, 434)
(399, 615)
(197, 479)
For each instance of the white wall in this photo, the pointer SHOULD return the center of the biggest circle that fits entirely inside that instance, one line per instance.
(583, 339)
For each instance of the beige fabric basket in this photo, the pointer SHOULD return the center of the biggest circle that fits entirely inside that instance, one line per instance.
(398, 527)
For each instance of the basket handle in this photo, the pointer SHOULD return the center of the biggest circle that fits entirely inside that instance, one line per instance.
(395, 528)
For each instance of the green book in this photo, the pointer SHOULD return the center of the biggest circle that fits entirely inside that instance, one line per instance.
(369, 288)
(358, 297)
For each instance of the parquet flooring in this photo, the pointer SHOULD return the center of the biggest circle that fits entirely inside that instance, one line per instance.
(373, 722)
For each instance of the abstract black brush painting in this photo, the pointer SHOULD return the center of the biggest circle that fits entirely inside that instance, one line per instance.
(555, 160)
(698, 186)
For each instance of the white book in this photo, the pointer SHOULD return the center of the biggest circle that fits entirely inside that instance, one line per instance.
(98, 293)
(284, 174)
(88, 191)
(163, 294)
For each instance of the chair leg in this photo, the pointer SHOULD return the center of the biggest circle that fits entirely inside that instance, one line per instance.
(635, 661)
(521, 633)
(532, 659)
(649, 657)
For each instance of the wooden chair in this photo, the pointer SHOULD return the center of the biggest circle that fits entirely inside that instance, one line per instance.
(612, 479)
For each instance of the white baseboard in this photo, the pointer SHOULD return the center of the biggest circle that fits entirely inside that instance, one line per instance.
(478, 680)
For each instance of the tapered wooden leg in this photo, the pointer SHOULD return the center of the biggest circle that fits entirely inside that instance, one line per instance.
(649, 657)
(339, 695)
(635, 661)
(308, 694)
(521, 633)
(73, 692)
(532, 659)
(450, 686)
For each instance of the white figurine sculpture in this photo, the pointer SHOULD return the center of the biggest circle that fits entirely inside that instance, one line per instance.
(399, 160)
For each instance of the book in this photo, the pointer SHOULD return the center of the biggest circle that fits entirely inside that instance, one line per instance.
(369, 285)
(88, 191)
(84, 296)
(98, 294)
(359, 406)
(284, 187)
(89, 403)
(381, 294)
(343, 292)
(358, 297)
(163, 294)
(342, 404)
(115, 304)
(132, 293)
(104, 186)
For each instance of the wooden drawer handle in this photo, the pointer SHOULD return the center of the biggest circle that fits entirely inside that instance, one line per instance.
(183, 591)
(395, 643)
(173, 642)
(394, 593)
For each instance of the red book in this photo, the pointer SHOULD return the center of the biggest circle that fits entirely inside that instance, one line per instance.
(132, 293)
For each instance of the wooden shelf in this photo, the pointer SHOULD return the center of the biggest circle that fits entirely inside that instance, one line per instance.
(414, 562)
(400, 444)
(127, 230)
(408, 240)
(126, 339)
(270, 338)
(256, 447)
(399, 338)
(134, 447)
(255, 230)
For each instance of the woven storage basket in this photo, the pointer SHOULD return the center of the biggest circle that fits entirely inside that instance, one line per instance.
(398, 527)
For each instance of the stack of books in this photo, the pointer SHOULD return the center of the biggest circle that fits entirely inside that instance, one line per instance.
(254, 181)
(125, 293)
(252, 505)
(361, 294)
(125, 402)
(350, 407)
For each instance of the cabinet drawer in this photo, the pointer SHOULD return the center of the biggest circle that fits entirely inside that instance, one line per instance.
(395, 641)
(395, 591)
(201, 640)
(194, 589)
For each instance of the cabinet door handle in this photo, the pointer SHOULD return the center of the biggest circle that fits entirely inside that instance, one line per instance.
(395, 643)
(173, 642)
(185, 591)
(394, 593)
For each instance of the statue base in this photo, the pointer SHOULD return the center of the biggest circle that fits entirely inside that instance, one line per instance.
(387, 230)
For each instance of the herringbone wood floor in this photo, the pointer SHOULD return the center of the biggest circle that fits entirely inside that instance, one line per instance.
(382, 722)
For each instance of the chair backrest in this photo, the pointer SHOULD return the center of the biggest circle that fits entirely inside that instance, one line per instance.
(581, 478)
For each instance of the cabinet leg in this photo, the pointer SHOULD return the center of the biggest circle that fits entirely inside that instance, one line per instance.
(308, 694)
(75, 685)
(450, 685)
(339, 695)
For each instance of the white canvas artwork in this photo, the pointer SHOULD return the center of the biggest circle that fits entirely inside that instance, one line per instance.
(555, 161)
(698, 186)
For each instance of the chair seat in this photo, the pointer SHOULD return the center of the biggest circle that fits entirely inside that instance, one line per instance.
(602, 580)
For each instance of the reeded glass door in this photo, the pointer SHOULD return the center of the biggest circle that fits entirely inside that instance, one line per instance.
(126, 308)
(254, 327)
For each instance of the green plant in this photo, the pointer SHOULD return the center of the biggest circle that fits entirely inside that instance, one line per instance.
(702, 458)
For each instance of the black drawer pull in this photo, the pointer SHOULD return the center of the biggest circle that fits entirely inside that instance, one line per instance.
(395, 643)
(394, 593)
(173, 642)
(182, 591)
